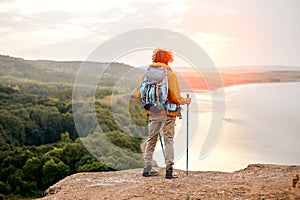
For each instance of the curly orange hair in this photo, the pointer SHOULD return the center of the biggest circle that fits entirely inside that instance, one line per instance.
(163, 56)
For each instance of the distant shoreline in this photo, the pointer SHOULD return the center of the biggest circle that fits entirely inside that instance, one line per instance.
(211, 81)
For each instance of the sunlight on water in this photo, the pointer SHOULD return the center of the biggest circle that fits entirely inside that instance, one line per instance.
(261, 126)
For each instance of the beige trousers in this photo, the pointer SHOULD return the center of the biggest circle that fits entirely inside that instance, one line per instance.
(166, 126)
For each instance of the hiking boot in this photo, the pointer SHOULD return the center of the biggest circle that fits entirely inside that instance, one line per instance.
(148, 171)
(169, 173)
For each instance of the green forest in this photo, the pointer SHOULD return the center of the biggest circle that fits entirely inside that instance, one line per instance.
(39, 144)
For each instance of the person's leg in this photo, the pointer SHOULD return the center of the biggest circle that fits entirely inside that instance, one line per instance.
(143, 149)
(168, 132)
(155, 125)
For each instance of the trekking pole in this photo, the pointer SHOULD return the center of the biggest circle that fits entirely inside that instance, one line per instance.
(187, 137)
(161, 143)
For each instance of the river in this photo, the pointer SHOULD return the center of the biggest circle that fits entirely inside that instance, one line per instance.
(253, 123)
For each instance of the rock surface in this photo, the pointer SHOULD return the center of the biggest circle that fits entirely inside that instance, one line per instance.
(257, 181)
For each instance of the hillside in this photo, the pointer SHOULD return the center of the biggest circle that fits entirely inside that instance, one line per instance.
(39, 144)
(51, 71)
(51, 78)
(34, 70)
(38, 74)
(257, 181)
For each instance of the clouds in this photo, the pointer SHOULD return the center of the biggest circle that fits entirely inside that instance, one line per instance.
(30, 25)
(264, 32)
(231, 31)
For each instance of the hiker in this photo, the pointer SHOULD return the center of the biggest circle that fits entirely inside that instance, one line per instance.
(162, 120)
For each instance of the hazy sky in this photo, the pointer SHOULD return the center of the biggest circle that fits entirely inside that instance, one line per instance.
(233, 32)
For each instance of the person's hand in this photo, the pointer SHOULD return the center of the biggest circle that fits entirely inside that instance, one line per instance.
(188, 101)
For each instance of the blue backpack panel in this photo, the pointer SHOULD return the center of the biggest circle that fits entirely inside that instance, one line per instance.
(154, 89)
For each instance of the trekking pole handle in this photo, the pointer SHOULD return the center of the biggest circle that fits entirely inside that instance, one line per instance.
(187, 97)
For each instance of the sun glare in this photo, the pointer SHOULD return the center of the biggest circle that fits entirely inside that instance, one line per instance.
(214, 45)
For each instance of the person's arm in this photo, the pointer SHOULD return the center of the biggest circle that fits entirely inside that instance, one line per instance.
(174, 90)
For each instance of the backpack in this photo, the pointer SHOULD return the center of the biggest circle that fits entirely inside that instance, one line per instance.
(154, 89)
